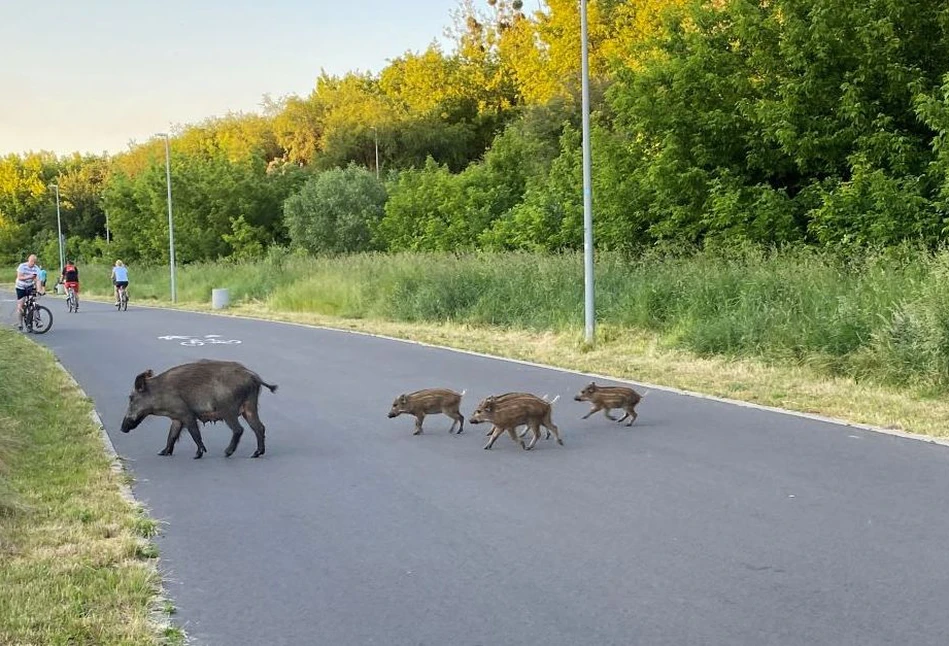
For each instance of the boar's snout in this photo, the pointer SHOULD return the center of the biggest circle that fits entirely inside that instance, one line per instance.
(128, 423)
(393, 413)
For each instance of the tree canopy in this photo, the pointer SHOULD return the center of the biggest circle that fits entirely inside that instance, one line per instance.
(774, 121)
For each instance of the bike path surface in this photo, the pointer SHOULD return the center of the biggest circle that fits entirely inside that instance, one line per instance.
(704, 523)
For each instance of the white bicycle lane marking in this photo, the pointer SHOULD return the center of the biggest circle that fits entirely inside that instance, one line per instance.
(194, 341)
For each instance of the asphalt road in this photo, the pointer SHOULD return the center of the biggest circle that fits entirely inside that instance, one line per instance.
(705, 523)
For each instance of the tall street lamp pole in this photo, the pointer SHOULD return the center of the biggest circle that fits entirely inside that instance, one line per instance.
(171, 225)
(59, 230)
(587, 182)
(375, 134)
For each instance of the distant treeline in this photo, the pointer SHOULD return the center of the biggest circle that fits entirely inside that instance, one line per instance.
(820, 122)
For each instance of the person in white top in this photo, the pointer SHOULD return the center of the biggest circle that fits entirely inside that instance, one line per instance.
(120, 278)
(27, 280)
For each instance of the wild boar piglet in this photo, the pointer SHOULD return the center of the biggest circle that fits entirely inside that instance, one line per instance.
(430, 401)
(507, 414)
(606, 398)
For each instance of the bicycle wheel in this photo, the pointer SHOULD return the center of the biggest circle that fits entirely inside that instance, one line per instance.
(125, 301)
(41, 319)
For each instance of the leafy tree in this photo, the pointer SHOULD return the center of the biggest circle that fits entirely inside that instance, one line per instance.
(336, 211)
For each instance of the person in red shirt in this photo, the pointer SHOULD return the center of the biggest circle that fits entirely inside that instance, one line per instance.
(70, 278)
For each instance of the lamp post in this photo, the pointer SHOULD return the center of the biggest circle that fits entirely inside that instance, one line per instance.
(59, 230)
(171, 225)
(375, 134)
(587, 181)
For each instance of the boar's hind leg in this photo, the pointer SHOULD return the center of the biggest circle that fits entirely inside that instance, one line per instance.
(236, 431)
(173, 434)
(551, 427)
(250, 414)
(535, 429)
(457, 418)
(192, 425)
(514, 436)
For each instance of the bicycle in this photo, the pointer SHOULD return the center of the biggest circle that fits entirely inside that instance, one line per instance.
(72, 301)
(123, 303)
(37, 318)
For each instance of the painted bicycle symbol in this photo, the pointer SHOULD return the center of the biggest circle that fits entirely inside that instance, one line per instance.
(193, 341)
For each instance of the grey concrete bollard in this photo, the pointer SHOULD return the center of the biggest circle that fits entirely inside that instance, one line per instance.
(219, 298)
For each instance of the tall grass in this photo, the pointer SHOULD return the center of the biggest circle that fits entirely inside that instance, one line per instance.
(883, 317)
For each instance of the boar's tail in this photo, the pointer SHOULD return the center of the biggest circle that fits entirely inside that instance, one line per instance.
(272, 387)
(554, 400)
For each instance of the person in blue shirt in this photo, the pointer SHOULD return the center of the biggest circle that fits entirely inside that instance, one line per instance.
(43, 278)
(120, 278)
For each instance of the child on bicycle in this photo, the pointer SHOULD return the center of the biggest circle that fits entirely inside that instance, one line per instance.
(70, 277)
(120, 278)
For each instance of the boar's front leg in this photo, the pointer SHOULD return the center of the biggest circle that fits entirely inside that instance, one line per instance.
(173, 434)
(192, 425)
(596, 408)
(419, 417)
(495, 434)
(606, 414)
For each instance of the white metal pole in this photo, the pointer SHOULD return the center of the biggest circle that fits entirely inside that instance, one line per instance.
(59, 231)
(587, 182)
(171, 225)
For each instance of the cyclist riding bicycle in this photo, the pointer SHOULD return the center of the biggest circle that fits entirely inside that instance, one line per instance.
(27, 279)
(70, 278)
(120, 278)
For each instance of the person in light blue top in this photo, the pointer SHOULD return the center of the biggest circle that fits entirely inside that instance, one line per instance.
(120, 278)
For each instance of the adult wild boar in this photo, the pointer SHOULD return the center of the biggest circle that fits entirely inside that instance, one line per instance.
(205, 391)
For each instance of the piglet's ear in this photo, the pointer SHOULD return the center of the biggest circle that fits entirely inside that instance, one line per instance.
(141, 384)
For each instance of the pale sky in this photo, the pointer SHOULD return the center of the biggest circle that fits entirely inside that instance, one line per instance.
(91, 75)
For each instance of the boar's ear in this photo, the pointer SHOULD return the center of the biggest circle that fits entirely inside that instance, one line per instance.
(140, 381)
(403, 399)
